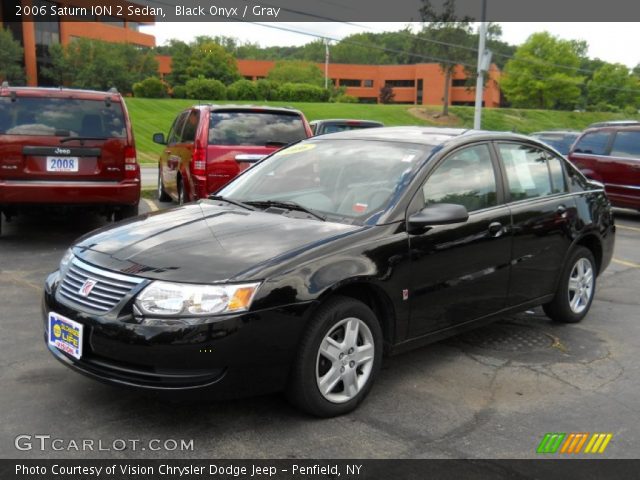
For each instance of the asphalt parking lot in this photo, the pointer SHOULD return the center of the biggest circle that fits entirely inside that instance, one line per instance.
(491, 393)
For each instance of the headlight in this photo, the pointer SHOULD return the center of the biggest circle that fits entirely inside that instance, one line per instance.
(66, 259)
(185, 300)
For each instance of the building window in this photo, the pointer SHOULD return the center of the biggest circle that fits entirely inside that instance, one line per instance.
(459, 82)
(400, 83)
(368, 83)
(46, 34)
(347, 82)
(114, 21)
(135, 26)
(367, 99)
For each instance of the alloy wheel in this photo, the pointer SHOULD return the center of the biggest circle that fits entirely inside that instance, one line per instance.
(580, 285)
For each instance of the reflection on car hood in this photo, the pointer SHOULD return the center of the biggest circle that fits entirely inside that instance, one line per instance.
(205, 243)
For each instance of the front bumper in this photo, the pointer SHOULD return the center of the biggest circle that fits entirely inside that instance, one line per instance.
(228, 356)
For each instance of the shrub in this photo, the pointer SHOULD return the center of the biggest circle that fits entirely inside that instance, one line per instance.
(302, 92)
(242, 90)
(205, 89)
(346, 99)
(151, 87)
(267, 90)
(179, 91)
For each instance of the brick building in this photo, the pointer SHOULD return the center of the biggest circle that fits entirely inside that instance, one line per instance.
(35, 37)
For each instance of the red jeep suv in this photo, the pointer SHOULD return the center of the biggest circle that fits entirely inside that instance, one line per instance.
(209, 145)
(63, 147)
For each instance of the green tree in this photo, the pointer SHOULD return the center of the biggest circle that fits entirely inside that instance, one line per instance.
(453, 37)
(94, 64)
(10, 58)
(204, 56)
(296, 72)
(545, 73)
(386, 94)
(613, 84)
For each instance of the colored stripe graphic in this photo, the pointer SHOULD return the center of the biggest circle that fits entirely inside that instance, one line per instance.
(551, 442)
(572, 443)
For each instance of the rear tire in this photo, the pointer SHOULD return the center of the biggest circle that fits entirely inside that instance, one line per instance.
(338, 359)
(576, 289)
(182, 194)
(125, 212)
(163, 196)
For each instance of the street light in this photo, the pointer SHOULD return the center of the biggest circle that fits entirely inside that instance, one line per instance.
(484, 62)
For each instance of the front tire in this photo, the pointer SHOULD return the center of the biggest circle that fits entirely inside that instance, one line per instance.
(163, 196)
(576, 290)
(339, 358)
(182, 194)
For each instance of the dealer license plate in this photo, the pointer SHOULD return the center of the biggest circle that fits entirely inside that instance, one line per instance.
(65, 334)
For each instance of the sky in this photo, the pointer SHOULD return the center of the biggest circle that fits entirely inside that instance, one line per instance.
(612, 42)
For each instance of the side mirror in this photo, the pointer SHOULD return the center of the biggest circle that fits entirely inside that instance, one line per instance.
(159, 138)
(438, 214)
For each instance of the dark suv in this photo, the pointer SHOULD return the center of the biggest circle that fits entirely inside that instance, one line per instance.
(67, 147)
(611, 155)
(209, 145)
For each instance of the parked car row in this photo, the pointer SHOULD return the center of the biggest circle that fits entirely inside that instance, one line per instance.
(608, 152)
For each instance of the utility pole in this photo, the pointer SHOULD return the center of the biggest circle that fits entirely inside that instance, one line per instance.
(482, 60)
(326, 63)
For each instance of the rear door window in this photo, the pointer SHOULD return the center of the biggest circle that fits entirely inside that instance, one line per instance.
(528, 171)
(61, 117)
(626, 144)
(255, 128)
(595, 143)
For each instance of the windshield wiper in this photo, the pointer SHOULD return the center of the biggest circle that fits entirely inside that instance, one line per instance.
(288, 204)
(220, 198)
(82, 139)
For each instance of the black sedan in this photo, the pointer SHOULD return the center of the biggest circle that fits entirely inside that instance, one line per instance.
(305, 269)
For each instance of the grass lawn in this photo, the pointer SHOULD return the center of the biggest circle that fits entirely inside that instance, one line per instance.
(156, 115)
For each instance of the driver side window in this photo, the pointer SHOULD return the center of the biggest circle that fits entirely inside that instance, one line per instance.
(466, 178)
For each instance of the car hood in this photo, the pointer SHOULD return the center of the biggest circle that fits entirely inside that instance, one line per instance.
(205, 243)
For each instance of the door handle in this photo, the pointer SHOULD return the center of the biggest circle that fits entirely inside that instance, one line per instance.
(495, 229)
(562, 211)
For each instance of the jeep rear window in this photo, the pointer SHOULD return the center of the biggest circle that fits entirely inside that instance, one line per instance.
(255, 128)
(61, 117)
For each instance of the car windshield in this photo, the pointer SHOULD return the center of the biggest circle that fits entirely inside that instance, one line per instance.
(255, 128)
(61, 117)
(343, 179)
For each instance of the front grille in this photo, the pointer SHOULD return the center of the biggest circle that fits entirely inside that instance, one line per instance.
(109, 288)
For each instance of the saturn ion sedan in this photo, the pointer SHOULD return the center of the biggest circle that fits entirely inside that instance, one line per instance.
(306, 269)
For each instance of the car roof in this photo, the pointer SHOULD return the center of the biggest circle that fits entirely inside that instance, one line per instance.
(557, 132)
(431, 136)
(614, 123)
(345, 120)
(59, 92)
(261, 108)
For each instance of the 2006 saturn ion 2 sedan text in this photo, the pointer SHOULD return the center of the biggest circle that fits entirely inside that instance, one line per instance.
(303, 270)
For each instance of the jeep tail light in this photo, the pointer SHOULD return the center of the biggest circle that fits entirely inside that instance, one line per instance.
(199, 161)
(131, 167)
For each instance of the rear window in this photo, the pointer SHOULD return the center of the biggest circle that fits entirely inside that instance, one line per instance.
(560, 142)
(61, 117)
(255, 128)
(343, 127)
